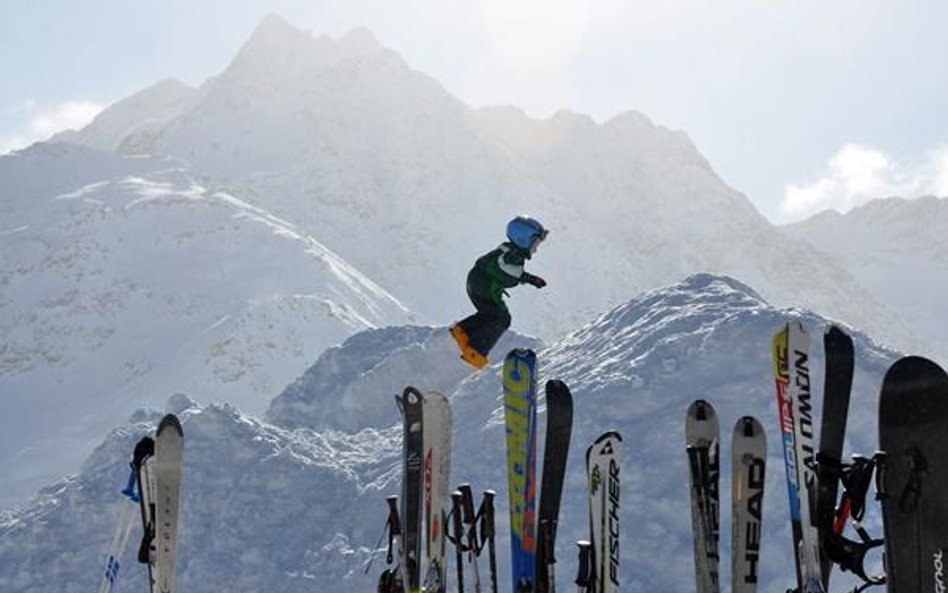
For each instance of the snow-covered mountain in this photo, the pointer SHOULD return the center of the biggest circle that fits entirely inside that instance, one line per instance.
(382, 164)
(332, 392)
(125, 279)
(898, 249)
(133, 117)
(271, 508)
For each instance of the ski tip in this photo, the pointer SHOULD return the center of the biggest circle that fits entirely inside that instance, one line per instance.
(521, 353)
(435, 396)
(559, 390)
(170, 422)
(143, 450)
(610, 435)
(748, 427)
(701, 410)
(411, 395)
(557, 385)
(836, 337)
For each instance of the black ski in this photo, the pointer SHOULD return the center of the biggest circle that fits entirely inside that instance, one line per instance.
(412, 485)
(141, 463)
(913, 475)
(702, 444)
(559, 423)
(837, 385)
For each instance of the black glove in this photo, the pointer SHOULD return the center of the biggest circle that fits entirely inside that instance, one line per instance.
(534, 280)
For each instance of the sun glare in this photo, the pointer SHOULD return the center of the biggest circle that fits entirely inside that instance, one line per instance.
(531, 35)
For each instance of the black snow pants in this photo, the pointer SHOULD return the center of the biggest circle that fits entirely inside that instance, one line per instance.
(487, 324)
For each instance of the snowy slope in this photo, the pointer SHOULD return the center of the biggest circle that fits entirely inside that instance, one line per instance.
(898, 249)
(127, 279)
(267, 508)
(381, 163)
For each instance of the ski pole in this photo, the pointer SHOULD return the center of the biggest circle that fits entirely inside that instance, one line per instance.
(487, 535)
(458, 541)
(469, 517)
(395, 540)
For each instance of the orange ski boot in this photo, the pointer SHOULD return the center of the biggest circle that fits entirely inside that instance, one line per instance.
(460, 336)
(468, 353)
(474, 357)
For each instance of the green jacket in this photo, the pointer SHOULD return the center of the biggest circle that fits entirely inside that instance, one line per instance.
(498, 270)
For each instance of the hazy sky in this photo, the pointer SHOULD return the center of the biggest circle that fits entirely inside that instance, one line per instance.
(800, 104)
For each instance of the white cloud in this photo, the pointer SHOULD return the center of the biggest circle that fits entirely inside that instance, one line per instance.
(857, 174)
(39, 123)
(940, 182)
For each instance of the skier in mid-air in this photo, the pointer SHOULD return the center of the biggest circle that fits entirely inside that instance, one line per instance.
(487, 282)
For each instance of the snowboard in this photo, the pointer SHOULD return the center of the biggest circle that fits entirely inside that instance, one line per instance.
(913, 478)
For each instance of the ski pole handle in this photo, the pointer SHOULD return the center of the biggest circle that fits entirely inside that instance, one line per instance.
(129, 490)
(393, 521)
(467, 503)
(584, 570)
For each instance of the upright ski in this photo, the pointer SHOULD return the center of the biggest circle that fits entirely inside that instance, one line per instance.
(436, 426)
(795, 403)
(559, 422)
(603, 470)
(837, 385)
(169, 446)
(702, 442)
(412, 483)
(520, 411)
(913, 475)
(748, 469)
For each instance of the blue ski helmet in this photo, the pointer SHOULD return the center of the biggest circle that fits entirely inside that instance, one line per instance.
(524, 232)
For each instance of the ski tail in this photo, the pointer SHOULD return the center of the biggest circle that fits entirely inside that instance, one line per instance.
(603, 470)
(839, 364)
(436, 426)
(702, 445)
(520, 414)
(412, 485)
(169, 448)
(748, 466)
(559, 421)
(781, 359)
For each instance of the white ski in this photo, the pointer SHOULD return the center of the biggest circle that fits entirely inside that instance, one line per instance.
(436, 426)
(748, 467)
(169, 446)
(603, 465)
